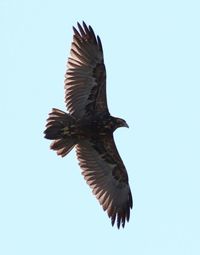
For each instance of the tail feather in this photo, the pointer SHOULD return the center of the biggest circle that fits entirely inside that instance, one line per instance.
(56, 122)
(62, 146)
(57, 128)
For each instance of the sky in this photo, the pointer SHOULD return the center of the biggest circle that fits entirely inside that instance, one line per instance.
(152, 57)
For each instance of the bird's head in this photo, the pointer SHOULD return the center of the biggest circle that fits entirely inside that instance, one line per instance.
(121, 123)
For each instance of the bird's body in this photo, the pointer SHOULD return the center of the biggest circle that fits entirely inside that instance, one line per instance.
(98, 125)
(89, 126)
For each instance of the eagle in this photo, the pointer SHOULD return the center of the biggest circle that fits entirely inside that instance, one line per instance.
(88, 126)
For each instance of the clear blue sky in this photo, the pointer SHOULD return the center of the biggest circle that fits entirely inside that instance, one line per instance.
(152, 55)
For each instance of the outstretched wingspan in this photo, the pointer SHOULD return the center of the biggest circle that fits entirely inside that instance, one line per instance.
(89, 126)
(105, 173)
(85, 83)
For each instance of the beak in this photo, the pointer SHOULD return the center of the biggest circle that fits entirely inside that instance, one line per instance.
(126, 125)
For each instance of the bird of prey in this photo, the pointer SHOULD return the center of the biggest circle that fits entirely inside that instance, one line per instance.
(88, 126)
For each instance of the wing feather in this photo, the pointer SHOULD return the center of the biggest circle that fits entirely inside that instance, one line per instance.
(85, 79)
(105, 173)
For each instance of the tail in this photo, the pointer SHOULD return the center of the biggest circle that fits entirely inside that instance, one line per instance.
(57, 130)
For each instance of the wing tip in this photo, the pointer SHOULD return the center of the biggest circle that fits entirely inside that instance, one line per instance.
(85, 30)
(120, 219)
(122, 215)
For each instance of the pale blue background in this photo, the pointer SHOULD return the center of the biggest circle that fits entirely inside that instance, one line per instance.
(152, 57)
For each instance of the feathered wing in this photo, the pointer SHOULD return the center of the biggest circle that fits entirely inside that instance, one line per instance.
(85, 79)
(105, 173)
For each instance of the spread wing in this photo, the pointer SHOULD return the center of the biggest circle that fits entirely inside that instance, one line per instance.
(85, 79)
(105, 173)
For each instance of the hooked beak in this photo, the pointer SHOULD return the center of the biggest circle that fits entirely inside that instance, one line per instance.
(126, 125)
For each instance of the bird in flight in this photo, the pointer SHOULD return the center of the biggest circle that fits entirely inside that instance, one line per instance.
(88, 126)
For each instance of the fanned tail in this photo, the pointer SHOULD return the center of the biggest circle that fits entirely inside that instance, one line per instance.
(57, 129)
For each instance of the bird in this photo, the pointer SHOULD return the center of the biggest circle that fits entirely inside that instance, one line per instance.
(88, 126)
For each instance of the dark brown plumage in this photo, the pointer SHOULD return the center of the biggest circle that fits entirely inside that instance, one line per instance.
(89, 126)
